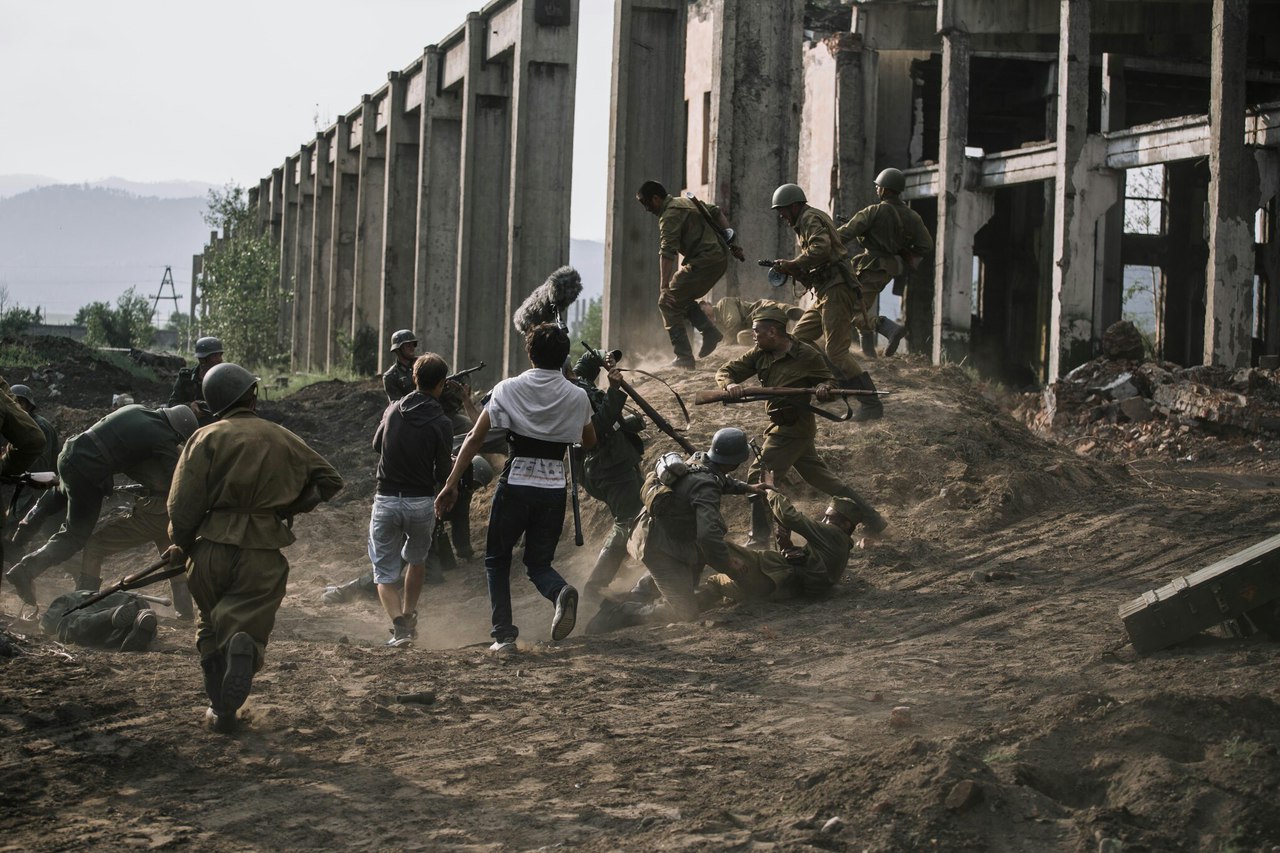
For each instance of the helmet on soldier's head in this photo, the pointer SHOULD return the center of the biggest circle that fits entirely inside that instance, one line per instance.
(182, 419)
(787, 195)
(892, 179)
(224, 384)
(402, 337)
(206, 347)
(481, 471)
(22, 392)
(729, 447)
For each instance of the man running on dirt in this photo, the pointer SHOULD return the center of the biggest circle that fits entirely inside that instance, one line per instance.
(544, 413)
(237, 486)
(413, 441)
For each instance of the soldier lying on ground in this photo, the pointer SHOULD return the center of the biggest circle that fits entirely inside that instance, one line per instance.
(122, 621)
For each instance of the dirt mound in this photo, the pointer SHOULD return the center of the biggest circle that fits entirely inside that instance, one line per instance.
(65, 373)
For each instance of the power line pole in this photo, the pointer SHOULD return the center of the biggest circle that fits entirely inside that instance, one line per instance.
(173, 296)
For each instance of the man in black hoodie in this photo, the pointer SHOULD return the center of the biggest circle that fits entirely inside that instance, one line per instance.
(414, 441)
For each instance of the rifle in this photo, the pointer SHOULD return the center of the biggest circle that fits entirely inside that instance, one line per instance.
(765, 393)
(726, 236)
(463, 374)
(143, 577)
(574, 451)
(658, 420)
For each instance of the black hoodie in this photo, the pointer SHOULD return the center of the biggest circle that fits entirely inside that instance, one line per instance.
(414, 439)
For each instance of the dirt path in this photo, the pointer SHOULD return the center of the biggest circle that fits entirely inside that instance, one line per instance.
(751, 729)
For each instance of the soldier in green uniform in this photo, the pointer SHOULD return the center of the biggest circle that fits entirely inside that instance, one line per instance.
(186, 388)
(138, 442)
(683, 230)
(732, 315)
(823, 266)
(397, 381)
(893, 239)
(46, 461)
(26, 440)
(781, 360)
(237, 484)
(611, 469)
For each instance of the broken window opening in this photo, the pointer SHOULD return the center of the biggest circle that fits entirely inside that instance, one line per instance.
(976, 290)
(1143, 302)
(706, 138)
(1145, 194)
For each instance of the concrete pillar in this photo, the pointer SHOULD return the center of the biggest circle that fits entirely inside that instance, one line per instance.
(857, 84)
(1109, 269)
(961, 211)
(400, 215)
(439, 153)
(262, 208)
(1233, 183)
(276, 205)
(758, 90)
(197, 270)
(481, 284)
(1071, 309)
(317, 337)
(303, 267)
(366, 299)
(646, 124)
(288, 248)
(1268, 265)
(345, 171)
(542, 88)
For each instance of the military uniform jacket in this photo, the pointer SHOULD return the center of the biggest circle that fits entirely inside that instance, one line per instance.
(26, 440)
(237, 477)
(616, 453)
(187, 387)
(398, 381)
(885, 231)
(693, 519)
(133, 440)
(682, 228)
(48, 458)
(802, 366)
(826, 550)
(822, 253)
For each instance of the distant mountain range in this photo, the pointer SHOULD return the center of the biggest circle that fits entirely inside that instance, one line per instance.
(63, 246)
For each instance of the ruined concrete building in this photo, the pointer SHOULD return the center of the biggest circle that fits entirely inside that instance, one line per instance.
(1078, 161)
(1027, 129)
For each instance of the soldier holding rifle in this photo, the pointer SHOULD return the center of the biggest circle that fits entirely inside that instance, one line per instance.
(782, 360)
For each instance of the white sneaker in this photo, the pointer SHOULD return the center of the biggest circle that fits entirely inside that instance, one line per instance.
(504, 648)
(566, 613)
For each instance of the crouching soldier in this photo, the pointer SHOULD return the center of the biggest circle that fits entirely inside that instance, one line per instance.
(236, 488)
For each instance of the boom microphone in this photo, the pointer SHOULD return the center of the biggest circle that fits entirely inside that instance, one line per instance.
(549, 300)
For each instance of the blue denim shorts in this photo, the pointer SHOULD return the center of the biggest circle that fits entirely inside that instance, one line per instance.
(399, 532)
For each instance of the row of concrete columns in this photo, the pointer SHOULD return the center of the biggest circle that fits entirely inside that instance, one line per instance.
(438, 203)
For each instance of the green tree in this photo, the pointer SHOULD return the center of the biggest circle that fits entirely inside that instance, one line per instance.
(180, 324)
(14, 319)
(588, 328)
(126, 325)
(240, 284)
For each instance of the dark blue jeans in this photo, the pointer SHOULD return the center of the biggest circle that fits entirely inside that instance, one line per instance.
(538, 514)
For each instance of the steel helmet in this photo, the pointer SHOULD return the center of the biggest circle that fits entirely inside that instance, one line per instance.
(729, 447)
(206, 347)
(481, 471)
(788, 194)
(402, 337)
(182, 419)
(892, 179)
(22, 392)
(224, 384)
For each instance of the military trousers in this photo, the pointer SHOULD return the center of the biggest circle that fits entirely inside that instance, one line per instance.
(828, 325)
(621, 494)
(783, 451)
(872, 282)
(676, 580)
(82, 486)
(236, 589)
(691, 282)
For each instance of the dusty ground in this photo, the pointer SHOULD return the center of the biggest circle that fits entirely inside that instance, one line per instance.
(752, 729)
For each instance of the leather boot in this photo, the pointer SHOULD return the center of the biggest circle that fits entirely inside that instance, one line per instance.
(869, 406)
(681, 347)
(86, 581)
(214, 668)
(711, 336)
(605, 570)
(893, 331)
(868, 343)
(761, 525)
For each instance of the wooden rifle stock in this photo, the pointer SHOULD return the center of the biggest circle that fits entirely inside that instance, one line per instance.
(764, 393)
(658, 420)
(144, 577)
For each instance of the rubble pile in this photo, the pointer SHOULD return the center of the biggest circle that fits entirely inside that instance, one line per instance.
(1121, 407)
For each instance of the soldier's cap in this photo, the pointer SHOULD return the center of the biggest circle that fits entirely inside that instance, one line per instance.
(402, 337)
(206, 347)
(22, 392)
(846, 509)
(771, 313)
(793, 312)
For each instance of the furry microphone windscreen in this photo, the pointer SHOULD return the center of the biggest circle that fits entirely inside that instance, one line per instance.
(548, 300)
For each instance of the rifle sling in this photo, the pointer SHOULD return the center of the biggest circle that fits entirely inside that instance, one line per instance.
(679, 402)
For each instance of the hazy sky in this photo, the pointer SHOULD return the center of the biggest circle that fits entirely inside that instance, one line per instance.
(154, 90)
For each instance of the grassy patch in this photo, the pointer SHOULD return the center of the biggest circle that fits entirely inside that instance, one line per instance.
(1003, 755)
(15, 354)
(1239, 749)
(128, 365)
(298, 381)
